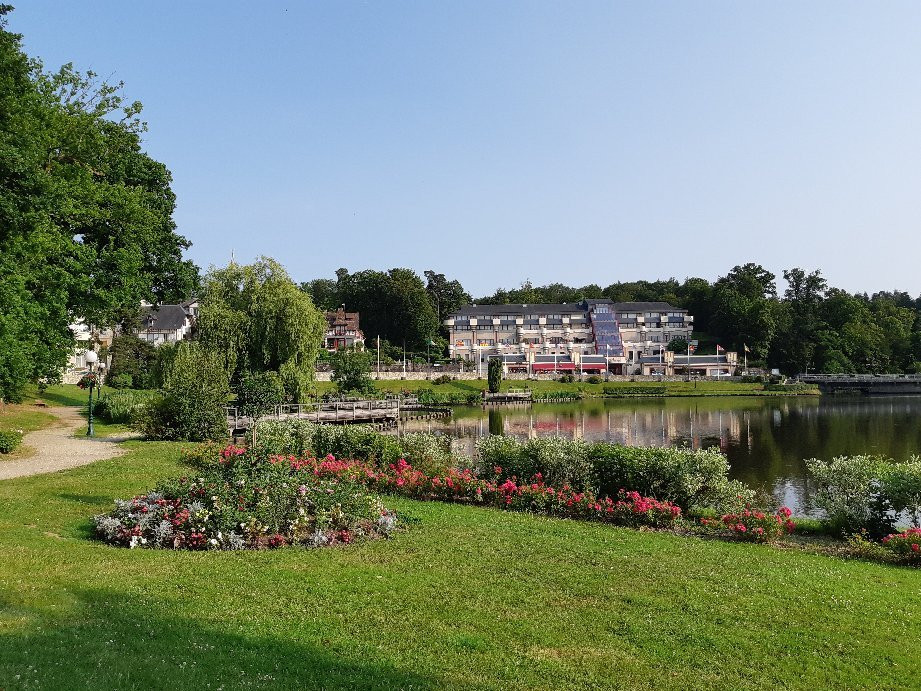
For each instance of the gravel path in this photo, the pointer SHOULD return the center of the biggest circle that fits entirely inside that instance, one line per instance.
(57, 449)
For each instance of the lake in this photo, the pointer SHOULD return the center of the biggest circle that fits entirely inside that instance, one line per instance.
(765, 438)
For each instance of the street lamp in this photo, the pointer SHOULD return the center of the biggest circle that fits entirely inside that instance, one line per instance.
(91, 359)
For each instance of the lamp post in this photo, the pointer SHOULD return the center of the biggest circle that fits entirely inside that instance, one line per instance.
(91, 359)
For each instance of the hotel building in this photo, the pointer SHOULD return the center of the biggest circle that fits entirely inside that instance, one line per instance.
(589, 336)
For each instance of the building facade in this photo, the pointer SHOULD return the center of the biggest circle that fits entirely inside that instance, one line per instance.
(588, 336)
(343, 331)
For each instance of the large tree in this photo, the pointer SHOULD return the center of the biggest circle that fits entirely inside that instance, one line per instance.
(745, 309)
(256, 319)
(393, 305)
(86, 215)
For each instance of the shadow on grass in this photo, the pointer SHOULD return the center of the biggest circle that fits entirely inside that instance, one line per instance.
(116, 641)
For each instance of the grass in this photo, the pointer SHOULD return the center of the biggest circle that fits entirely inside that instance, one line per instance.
(25, 418)
(466, 598)
(680, 388)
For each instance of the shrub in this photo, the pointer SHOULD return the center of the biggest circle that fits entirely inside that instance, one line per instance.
(849, 491)
(123, 405)
(901, 486)
(905, 546)
(259, 393)
(686, 477)
(358, 442)
(9, 440)
(594, 379)
(566, 379)
(555, 395)
(559, 461)
(753, 525)
(352, 370)
(192, 401)
(630, 508)
(436, 398)
(442, 379)
(241, 502)
(638, 390)
(120, 381)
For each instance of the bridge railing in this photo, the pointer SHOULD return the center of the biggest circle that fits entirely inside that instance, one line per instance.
(858, 377)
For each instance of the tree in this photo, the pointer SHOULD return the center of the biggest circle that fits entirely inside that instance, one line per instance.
(86, 214)
(799, 320)
(678, 345)
(494, 375)
(259, 392)
(352, 370)
(133, 362)
(193, 397)
(745, 309)
(446, 296)
(255, 319)
(323, 292)
(393, 305)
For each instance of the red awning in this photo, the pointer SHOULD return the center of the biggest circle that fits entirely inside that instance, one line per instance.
(549, 366)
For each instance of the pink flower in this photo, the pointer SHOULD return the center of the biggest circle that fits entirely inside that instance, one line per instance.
(915, 547)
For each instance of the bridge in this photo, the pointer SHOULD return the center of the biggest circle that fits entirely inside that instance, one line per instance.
(865, 384)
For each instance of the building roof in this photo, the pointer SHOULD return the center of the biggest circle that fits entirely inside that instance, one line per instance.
(163, 318)
(342, 318)
(561, 308)
(495, 310)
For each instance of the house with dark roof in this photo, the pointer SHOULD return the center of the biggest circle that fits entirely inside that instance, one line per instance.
(587, 336)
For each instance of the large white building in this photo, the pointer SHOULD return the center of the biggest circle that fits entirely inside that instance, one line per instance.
(588, 336)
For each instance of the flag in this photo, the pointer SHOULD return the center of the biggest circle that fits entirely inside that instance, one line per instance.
(719, 349)
(691, 349)
(747, 349)
(431, 343)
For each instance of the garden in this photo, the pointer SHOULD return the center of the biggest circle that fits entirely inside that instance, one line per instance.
(297, 483)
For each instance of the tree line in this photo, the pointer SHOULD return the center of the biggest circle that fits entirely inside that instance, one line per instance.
(809, 326)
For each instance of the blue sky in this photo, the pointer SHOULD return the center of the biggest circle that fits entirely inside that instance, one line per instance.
(503, 141)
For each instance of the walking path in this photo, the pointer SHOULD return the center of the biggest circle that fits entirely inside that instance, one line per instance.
(57, 449)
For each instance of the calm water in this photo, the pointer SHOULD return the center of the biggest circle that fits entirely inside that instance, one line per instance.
(766, 439)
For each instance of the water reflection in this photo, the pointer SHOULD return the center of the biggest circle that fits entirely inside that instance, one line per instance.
(766, 439)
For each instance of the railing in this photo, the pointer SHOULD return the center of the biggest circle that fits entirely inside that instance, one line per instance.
(858, 377)
(324, 411)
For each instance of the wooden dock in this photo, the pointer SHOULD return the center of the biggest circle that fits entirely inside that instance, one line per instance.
(385, 412)
(510, 396)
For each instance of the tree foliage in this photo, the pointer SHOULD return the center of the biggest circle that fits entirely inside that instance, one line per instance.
(192, 400)
(494, 375)
(86, 214)
(352, 370)
(255, 319)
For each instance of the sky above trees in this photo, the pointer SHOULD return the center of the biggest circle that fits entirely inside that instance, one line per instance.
(499, 142)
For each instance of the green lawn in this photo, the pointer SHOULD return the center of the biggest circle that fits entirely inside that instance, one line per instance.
(681, 388)
(466, 598)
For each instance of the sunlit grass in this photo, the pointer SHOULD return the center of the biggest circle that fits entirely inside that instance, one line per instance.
(466, 598)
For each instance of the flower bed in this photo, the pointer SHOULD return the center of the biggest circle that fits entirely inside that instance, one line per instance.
(905, 546)
(752, 525)
(454, 485)
(236, 503)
